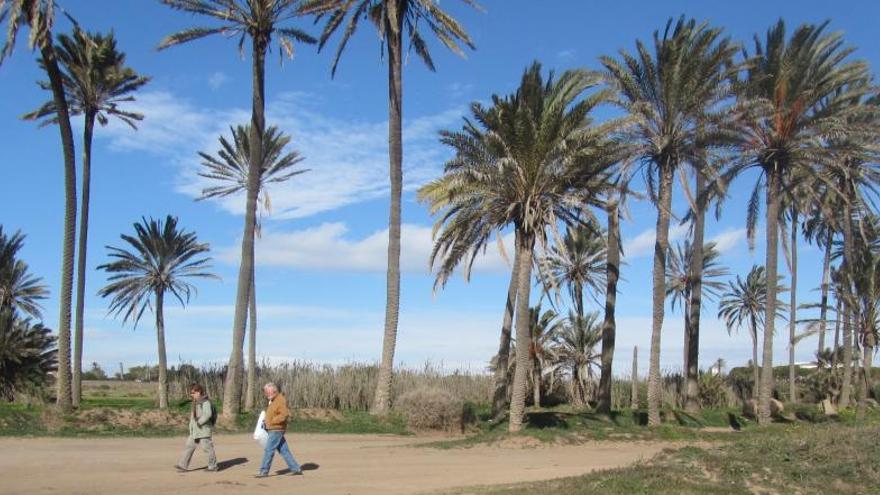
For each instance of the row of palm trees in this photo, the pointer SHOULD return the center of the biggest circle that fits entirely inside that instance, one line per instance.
(257, 21)
(797, 108)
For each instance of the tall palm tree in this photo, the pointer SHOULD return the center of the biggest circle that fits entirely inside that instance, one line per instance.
(818, 227)
(794, 98)
(258, 20)
(542, 329)
(532, 161)
(39, 17)
(19, 290)
(673, 99)
(612, 275)
(160, 258)
(575, 349)
(229, 169)
(679, 286)
(578, 263)
(96, 81)
(394, 20)
(744, 302)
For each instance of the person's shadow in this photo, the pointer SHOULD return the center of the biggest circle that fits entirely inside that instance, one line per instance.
(228, 463)
(309, 466)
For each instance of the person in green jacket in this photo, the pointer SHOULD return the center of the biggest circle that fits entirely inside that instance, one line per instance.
(201, 429)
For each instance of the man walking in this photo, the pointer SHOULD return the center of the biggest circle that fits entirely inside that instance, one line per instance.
(276, 424)
(201, 429)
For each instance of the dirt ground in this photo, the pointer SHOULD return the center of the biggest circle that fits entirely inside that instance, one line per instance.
(335, 464)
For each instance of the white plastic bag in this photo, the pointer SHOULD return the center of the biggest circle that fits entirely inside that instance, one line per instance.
(260, 433)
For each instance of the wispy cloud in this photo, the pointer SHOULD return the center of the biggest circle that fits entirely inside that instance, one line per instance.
(728, 240)
(330, 246)
(566, 54)
(217, 79)
(334, 148)
(643, 244)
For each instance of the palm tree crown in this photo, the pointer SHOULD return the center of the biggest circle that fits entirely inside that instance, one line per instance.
(19, 290)
(160, 259)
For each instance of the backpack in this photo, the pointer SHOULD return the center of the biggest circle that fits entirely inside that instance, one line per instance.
(213, 420)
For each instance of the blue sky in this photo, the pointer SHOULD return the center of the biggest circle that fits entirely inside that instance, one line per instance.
(320, 272)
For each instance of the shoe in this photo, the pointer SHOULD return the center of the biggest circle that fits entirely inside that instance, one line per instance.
(296, 473)
(180, 469)
(212, 469)
(261, 475)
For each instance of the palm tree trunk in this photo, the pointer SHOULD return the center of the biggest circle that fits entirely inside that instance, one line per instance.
(233, 387)
(694, 306)
(756, 376)
(576, 382)
(499, 392)
(382, 402)
(63, 394)
(523, 363)
(836, 348)
(792, 309)
(81, 259)
(609, 326)
(634, 390)
(823, 306)
(849, 310)
(252, 347)
(661, 246)
(773, 200)
(163, 364)
(536, 377)
(865, 382)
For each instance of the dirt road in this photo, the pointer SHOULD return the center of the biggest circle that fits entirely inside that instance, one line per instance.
(336, 464)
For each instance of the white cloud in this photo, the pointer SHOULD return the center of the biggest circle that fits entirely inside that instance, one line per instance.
(643, 244)
(217, 79)
(729, 239)
(566, 54)
(330, 247)
(347, 159)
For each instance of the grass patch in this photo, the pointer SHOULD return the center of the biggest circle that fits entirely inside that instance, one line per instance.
(828, 458)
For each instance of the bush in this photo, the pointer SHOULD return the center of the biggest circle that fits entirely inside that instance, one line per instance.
(432, 409)
(713, 391)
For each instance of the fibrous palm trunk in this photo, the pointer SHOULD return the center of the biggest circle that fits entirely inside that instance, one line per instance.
(865, 382)
(523, 362)
(756, 370)
(850, 314)
(661, 246)
(823, 305)
(81, 259)
(773, 199)
(499, 391)
(634, 390)
(252, 348)
(609, 325)
(233, 387)
(695, 280)
(382, 401)
(792, 309)
(63, 394)
(163, 363)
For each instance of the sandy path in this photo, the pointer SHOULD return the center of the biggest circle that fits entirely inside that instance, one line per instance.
(341, 464)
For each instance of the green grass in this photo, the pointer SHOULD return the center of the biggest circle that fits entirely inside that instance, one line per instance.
(830, 458)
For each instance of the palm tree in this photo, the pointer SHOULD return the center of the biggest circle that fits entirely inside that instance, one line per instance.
(575, 349)
(672, 98)
(258, 20)
(818, 227)
(393, 21)
(160, 258)
(39, 17)
(745, 302)
(96, 81)
(19, 290)
(531, 161)
(27, 354)
(542, 329)
(612, 275)
(577, 263)
(680, 282)
(229, 168)
(794, 95)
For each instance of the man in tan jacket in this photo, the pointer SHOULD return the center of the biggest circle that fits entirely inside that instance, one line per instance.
(276, 424)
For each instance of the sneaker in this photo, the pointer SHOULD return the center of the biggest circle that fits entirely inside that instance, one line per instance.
(211, 469)
(261, 475)
(180, 469)
(298, 472)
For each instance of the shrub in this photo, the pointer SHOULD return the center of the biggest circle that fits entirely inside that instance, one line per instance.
(713, 391)
(432, 409)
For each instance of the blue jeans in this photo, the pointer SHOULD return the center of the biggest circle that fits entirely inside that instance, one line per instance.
(276, 441)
